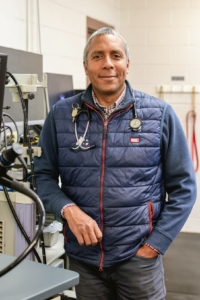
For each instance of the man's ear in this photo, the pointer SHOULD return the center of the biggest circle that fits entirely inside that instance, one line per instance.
(85, 67)
(128, 65)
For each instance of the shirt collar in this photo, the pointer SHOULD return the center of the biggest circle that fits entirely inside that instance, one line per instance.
(108, 110)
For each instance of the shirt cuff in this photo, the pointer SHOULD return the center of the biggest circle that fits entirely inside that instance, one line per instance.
(67, 205)
(148, 245)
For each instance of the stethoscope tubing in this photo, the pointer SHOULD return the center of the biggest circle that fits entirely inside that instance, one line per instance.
(80, 140)
(79, 143)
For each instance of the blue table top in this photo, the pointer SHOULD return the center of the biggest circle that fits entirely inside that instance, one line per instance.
(32, 280)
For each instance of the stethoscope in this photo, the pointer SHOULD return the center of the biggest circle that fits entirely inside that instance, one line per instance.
(76, 111)
(135, 124)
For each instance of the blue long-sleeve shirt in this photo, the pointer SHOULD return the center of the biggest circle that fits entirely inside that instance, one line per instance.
(178, 174)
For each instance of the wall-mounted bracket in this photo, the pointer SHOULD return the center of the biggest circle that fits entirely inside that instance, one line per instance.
(177, 88)
(28, 83)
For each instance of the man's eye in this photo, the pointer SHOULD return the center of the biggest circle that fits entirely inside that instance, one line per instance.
(117, 55)
(96, 56)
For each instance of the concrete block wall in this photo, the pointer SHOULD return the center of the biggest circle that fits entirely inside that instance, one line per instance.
(164, 41)
(63, 33)
(163, 36)
(12, 24)
(63, 30)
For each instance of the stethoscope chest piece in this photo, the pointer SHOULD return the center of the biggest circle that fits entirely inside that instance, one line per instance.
(135, 124)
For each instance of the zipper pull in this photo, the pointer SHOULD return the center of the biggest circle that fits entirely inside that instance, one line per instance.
(100, 268)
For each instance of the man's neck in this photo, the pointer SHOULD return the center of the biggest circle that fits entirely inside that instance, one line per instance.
(107, 99)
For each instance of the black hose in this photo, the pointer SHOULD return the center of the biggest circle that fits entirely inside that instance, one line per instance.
(41, 220)
(8, 116)
(19, 223)
(35, 190)
(19, 91)
(27, 140)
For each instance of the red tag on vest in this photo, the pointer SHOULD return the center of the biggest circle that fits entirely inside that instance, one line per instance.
(134, 140)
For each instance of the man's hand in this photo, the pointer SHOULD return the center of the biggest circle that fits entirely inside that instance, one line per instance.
(83, 227)
(146, 251)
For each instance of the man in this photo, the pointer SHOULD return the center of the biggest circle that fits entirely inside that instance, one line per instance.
(117, 152)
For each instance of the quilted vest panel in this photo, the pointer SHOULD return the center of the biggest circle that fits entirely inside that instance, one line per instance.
(119, 182)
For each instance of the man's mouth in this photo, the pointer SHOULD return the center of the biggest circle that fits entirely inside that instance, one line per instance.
(107, 76)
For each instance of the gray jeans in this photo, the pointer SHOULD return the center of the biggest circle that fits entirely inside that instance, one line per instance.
(135, 279)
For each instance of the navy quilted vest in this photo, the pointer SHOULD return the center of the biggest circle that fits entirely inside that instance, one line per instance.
(119, 182)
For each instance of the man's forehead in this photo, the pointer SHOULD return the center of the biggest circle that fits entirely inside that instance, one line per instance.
(100, 43)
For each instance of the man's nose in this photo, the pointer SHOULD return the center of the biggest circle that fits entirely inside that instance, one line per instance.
(107, 63)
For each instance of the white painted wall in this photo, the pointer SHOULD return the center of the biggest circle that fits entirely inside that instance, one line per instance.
(164, 41)
(63, 30)
(163, 36)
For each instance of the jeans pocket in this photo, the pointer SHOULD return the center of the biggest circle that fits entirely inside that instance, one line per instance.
(150, 259)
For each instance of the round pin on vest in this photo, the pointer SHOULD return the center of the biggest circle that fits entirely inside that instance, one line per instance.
(135, 124)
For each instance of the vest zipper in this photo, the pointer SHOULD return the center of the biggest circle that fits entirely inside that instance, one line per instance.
(101, 191)
(105, 124)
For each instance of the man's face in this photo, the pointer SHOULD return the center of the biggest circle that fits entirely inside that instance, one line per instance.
(107, 65)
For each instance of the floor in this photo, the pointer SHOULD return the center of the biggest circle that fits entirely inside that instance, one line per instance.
(182, 268)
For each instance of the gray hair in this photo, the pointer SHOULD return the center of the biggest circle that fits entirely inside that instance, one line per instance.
(102, 31)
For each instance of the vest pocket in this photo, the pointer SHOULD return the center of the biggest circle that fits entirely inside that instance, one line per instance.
(151, 215)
